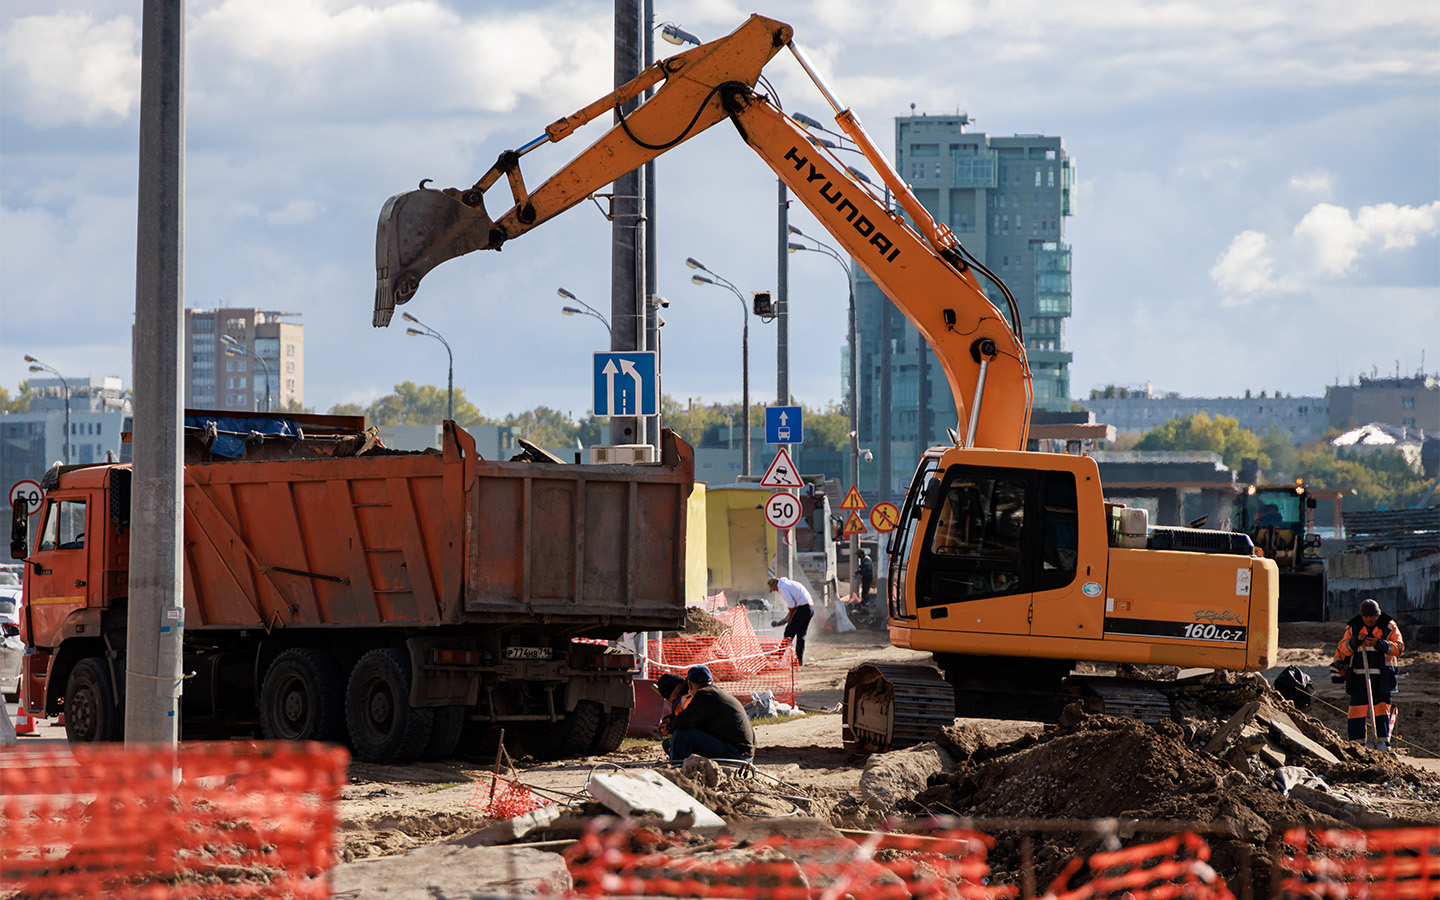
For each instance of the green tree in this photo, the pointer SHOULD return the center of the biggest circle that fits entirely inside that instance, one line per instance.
(294, 406)
(413, 404)
(544, 426)
(691, 421)
(21, 401)
(1222, 435)
(827, 429)
(1284, 457)
(347, 409)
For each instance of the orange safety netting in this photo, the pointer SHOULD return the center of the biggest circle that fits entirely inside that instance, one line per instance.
(223, 820)
(498, 797)
(1402, 864)
(1175, 867)
(947, 866)
(741, 661)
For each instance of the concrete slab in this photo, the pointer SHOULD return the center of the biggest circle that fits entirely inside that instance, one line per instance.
(1283, 729)
(636, 791)
(451, 872)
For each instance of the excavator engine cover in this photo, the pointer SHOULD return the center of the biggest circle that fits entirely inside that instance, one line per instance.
(419, 230)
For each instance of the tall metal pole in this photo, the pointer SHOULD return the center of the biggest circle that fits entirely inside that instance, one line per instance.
(156, 620)
(782, 300)
(652, 275)
(67, 417)
(745, 388)
(627, 272)
(854, 420)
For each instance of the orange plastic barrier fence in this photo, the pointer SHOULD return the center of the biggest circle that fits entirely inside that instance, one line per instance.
(947, 866)
(223, 820)
(740, 661)
(1402, 863)
(1175, 867)
(499, 797)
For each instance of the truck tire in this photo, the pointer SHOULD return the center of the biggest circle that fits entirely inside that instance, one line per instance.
(303, 697)
(384, 727)
(90, 711)
(612, 732)
(445, 730)
(572, 736)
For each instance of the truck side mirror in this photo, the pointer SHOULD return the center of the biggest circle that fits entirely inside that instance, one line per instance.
(931, 499)
(20, 529)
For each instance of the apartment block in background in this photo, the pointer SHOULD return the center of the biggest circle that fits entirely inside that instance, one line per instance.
(267, 353)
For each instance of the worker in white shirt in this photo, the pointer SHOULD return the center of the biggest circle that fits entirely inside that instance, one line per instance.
(797, 616)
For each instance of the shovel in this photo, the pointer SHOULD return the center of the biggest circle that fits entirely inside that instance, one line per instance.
(1371, 728)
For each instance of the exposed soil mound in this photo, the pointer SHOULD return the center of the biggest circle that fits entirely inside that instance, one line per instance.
(699, 623)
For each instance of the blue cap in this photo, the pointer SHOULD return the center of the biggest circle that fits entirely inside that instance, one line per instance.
(699, 675)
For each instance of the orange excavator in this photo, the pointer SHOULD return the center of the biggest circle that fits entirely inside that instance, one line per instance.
(1007, 565)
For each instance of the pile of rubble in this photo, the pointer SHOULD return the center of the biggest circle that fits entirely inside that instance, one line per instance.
(1237, 763)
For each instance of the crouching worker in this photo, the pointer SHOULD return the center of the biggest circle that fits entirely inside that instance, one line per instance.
(713, 724)
(676, 693)
(1367, 660)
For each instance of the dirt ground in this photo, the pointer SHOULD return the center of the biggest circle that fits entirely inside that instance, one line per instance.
(1088, 767)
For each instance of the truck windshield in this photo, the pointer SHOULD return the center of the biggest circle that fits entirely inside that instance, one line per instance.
(64, 526)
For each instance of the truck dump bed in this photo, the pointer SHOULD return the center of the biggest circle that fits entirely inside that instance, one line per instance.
(429, 538)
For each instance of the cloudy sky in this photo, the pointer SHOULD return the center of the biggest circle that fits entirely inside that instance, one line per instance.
(1258, 206)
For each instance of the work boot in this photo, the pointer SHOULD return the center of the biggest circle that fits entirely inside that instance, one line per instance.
(1383, 746)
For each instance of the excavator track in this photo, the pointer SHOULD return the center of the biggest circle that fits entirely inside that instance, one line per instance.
(1125, 697)
(889, 706)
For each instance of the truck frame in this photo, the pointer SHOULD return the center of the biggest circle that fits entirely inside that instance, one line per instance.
(338, 591)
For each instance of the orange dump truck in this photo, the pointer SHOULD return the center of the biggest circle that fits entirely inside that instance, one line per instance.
(339, 591)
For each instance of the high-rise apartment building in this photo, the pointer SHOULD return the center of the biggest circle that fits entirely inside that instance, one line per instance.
(1006, 199)
(238, 357)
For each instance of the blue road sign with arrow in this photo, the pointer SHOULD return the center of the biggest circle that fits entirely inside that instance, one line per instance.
(626, 384)
(783, 425)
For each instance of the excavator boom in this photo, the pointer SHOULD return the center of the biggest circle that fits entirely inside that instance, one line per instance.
(922, 268)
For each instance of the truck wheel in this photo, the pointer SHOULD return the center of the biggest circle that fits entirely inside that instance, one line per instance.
(90, 711)
(614, 727)
(573, 735)
(445, 730)
(384, 727)
(303, 697)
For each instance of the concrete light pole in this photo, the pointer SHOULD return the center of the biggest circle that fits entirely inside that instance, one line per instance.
(714, 279)
(37, 366)
(450, 369)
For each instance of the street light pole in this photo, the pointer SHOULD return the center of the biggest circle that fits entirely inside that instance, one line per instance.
(450, 367)
(854, 337)
(37, 366)
(234, 347)
(744, 357)
(587, 311)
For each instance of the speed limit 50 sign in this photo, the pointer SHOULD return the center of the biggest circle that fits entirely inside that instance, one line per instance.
(28, 491)
(782, 510)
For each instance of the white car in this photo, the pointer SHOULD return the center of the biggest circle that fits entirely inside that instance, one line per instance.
(12, 651)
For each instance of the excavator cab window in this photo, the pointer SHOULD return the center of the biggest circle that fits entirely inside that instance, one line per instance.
(999, 532)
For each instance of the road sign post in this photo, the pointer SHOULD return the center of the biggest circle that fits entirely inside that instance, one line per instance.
(626, 384)
(27, 491)
(784, 425)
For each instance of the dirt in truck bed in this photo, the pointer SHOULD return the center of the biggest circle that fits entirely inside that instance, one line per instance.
(1086, 767)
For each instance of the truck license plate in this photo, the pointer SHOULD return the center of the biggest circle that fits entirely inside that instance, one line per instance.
(527, 652)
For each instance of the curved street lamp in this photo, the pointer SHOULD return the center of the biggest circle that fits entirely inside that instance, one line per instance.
(587, 311)
(714, 279)
(234, 347)
(426, 331)
(854, 336)
(38, 366)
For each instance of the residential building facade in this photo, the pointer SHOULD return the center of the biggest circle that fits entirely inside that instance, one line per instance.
(1006, 200)
(1405, 402)
(1305, 419)
(236, 358)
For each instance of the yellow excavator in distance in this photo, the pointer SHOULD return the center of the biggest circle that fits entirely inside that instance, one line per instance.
(1007, 565)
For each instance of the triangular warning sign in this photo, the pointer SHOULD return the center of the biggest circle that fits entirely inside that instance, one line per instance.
(853, 500)
(854, 524)
(781, 473)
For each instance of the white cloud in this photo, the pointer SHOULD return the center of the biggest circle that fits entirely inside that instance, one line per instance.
(1313, 182)
(1245, 267)
(68, 68)
(1337, 239)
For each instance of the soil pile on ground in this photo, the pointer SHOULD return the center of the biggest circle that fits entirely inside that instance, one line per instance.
(699, 623)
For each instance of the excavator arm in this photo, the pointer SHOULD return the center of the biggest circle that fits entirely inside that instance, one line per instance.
(917, 263)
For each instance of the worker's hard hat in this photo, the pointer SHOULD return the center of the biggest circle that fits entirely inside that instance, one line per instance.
(1369, 607)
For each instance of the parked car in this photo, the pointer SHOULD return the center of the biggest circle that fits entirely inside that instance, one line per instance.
(12, 651)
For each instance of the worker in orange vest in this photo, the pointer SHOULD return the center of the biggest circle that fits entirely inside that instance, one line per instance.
(1367, 661)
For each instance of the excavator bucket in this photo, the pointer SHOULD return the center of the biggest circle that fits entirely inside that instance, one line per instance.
(419, 230)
